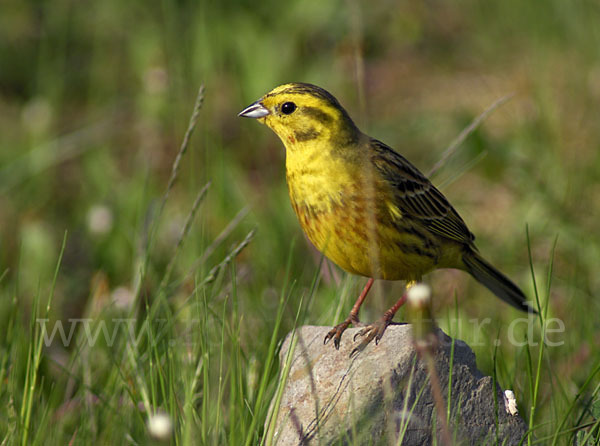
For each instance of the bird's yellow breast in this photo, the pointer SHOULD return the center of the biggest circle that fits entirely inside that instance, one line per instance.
(343, 207)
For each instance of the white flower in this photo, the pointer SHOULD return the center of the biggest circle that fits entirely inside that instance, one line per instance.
(160, 426)
(510, 402)
(100, 219)
(419, 294)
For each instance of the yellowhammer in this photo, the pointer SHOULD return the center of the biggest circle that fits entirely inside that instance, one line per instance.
(366, 207)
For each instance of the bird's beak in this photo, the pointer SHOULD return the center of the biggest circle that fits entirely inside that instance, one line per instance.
(256, 110)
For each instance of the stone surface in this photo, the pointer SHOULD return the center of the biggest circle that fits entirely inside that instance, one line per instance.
(383, 393)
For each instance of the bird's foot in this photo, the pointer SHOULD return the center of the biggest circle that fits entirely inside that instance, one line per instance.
(370, 332)
(336, 332)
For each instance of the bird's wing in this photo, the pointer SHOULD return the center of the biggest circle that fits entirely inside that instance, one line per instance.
(416, 196)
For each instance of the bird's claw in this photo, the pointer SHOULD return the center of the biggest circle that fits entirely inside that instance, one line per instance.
(336, 332)
(370, 332)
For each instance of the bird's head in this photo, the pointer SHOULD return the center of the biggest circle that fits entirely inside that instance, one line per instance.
(302, 113)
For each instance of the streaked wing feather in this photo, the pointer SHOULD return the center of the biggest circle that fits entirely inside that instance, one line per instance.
(417, 197)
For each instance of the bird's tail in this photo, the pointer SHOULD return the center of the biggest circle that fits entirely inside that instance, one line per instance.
(495, 281)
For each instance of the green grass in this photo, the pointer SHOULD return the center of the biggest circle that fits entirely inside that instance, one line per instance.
(199, 289)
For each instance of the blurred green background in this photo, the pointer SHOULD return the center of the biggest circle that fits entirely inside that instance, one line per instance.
(95, 98)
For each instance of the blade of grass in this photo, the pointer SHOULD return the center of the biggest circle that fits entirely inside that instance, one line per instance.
(287, 365)
(494, 384)
(451, 369)
(220, 385)
(174, 174)
(184, 232)
(35, 352)
(466, 132)
(271, 352)
(214, 272)
(407, 414)
(542, 318)
(182, 150)
(222, 236)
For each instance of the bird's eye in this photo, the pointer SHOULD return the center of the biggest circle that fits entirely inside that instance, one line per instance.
(288, 108)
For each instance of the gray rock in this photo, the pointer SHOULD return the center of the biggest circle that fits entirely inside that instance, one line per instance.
(384, 393)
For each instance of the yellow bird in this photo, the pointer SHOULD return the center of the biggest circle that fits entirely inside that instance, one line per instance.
(366, 207)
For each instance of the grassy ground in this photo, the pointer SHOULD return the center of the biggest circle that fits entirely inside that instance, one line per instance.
(95, 101)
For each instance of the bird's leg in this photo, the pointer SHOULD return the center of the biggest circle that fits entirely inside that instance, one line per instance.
(377, 328)
(336, 332)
